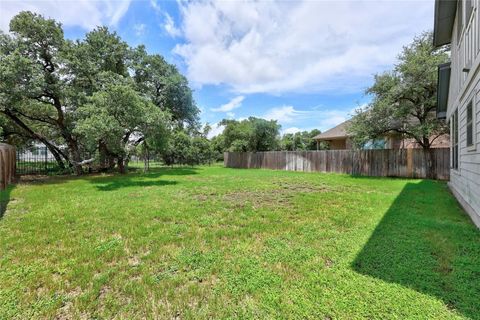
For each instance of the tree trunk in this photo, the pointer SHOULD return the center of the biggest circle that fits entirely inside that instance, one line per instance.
(121, 165)
(429, 158)
(102, 155)
(57, 154)
(75, 156)
(146, 160)
(107, 162)
(68, 137)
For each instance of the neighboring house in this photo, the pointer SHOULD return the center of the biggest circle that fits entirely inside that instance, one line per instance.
(36, 152)
(337, 138)
(457, 23)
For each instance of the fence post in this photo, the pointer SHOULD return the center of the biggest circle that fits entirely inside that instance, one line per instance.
(7, 165)
(46, 160)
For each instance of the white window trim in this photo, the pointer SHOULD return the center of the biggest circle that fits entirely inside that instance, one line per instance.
(473, 147)
(455, 138)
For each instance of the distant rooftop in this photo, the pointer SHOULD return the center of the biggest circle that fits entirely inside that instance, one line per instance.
(338, 132)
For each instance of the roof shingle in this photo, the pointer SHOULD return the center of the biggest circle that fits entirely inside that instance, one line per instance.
(337, 132)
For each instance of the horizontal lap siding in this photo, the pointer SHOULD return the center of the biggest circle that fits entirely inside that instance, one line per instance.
(410, 163)
(469, 190)
(466, 180)
(465, 87)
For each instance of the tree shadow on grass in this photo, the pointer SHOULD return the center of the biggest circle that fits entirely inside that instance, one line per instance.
(126, 182)
(39, 179)
(166, 171)
(148, 179)
(425, 242)
(5, 199)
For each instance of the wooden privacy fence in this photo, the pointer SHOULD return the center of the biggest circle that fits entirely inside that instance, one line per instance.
(7, 165)
(408, 163)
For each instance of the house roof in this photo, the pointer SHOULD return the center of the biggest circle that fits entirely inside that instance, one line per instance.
(338, 132)
(445, 11)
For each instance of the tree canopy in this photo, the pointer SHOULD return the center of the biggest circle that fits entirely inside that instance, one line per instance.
(404, 99)
(117, 116)
(300, 141)
(252, 134)
(190, 149)
(96, 94)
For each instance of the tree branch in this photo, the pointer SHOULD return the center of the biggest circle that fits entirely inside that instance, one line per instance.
(47, 120)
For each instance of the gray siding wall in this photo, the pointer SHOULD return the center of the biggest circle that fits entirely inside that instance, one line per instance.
(465, 87)
(466, 180)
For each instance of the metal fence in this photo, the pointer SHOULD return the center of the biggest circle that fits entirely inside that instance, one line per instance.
(409, 163)
(150, 162)
(36, 160)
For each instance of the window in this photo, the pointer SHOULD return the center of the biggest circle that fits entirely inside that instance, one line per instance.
(443, 86)
(375, 144)
(470, 125)
(459, 20)
(454, 129)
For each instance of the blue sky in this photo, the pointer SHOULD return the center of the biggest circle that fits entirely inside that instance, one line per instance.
(303, 63)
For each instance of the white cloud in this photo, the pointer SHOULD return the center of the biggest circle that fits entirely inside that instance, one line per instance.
(156, 7)
(322, 119)
(84, 14)
(139, 29)
(170, 27)
(231, 115)
(332, 118)
(292, 130)
(216, 130)
(286, 114)
(304, 46)
(231, 105)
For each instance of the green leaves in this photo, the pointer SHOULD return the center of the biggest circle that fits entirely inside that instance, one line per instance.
(252, 134)
(118, 114)
(33, 28)
(192, 149)
(301, 141)
(404, 99)
(164, 85)
(86, 93)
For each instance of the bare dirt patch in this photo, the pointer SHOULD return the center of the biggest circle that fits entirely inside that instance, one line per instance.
(135, 195)
(273, 198)
(66, 310)
(104, 291)
(37, 178)
(328, 262)
(134, 261)
(280, 195)
(295, 187)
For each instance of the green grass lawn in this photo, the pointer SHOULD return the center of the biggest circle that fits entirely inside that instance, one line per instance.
(212, 242)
